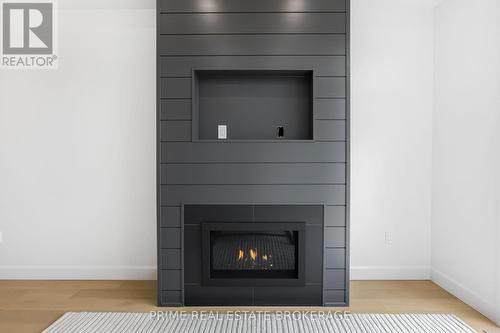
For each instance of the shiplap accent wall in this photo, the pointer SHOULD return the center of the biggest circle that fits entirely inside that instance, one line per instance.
(257, 34)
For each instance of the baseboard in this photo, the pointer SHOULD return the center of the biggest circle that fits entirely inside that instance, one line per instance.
(464, 294)
(389, 273)
(77, 273)
(149, 273)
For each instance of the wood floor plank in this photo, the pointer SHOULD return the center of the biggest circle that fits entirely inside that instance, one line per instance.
(31, 306)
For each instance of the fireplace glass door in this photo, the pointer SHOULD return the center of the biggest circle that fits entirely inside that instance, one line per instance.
(253, 253)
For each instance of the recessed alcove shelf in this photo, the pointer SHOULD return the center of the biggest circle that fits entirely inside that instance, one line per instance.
(253, 105)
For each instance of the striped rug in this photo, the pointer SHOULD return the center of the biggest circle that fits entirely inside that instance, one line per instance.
(271, 323)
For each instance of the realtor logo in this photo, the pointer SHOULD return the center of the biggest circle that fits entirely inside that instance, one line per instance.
(28, 34)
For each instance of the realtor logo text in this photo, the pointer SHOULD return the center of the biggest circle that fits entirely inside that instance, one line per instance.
(28, 34)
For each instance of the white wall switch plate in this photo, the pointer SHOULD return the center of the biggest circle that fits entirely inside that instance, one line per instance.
(388, 238)
(1, 237)
(222, 132)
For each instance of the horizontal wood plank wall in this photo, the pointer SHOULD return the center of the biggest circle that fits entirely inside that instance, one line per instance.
(254, 6)
(257, 34)
(242, 23)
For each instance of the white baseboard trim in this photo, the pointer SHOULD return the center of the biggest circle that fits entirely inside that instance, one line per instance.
(390, 273)
(149, 273)
(77, 273)
(463, 293)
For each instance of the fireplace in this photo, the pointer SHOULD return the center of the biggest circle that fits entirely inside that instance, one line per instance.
(253, 254)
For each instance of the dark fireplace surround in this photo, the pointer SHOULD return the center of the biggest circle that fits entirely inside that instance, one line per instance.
(253, 162)
(253, 254)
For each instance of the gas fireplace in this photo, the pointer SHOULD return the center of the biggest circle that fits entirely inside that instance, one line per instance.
(253, 254)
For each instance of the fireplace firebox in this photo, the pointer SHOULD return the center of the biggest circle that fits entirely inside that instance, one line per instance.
(253, 254)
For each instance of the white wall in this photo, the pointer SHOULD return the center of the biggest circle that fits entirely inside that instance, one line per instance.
(77, 150)
(392, 85)
(466, 147)
(497, 319)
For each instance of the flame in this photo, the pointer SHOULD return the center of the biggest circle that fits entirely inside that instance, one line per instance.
(241, 254)
(253, 254)
(264, 257)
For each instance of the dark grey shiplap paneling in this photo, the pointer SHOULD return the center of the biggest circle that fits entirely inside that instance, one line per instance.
(170, 259)
(326, 87)
(170, 297)
(334, 279)
(178, 45)
(330, 130)
(197, 214)
(314, 264)
(180, 109)
(170, 238)
(180, 130)
(170, 217)
(244, 23)
(335, 216)
(238, 194)
(262, 152)
(203, 295)
(175, 109)
(175, 131)
(287, 213)
(210, 174)
(288, 296)
(334, 258)
(171, 280)
(334, 297)
(330, 87)
(257, 34)
(183, 66)
(182, 6)
(330, 109)
(335, 237)
(175, 88)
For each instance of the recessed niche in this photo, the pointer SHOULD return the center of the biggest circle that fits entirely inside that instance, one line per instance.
(253, 105)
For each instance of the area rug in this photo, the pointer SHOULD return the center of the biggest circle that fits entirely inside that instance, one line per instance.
(156, 322)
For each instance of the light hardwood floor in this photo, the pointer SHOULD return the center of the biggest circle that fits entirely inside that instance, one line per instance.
(31, 306)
